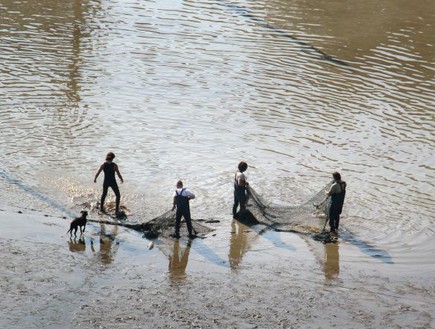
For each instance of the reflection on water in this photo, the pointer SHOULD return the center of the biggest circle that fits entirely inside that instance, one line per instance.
(243, 238)
(105, 249)
(185, 89)
(108, 246)
(178, 261)
(77, 245)
(239, 244)
(331, 262)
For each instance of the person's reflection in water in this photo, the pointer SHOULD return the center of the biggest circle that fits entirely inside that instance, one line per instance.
(107, 252)
(332, 261)
(77, 245)
(238, 244)
(178, 261)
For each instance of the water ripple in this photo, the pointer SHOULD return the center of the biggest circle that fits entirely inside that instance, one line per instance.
(172, 83)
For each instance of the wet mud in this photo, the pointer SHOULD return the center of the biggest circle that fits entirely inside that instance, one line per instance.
(109, 278)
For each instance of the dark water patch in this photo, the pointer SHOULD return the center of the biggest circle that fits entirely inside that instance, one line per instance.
(244, 12)
(247, 218)
(208, 253)
(366, 247)
(274, 237)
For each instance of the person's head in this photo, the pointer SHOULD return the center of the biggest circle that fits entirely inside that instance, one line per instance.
(242, 166)
(336, 176)
(110, 156)
(179, 184)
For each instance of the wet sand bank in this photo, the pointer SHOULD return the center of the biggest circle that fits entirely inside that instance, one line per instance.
(234, 279)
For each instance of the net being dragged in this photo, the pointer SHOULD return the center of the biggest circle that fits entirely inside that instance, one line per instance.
(308, 217)
(163, 226)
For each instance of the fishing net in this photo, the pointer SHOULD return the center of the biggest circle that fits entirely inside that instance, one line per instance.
(164, 224)
(308, 217)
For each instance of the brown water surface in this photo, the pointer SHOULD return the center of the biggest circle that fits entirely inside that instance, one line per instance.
(187, 89)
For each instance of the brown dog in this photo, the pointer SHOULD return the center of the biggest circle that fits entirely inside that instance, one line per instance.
(78, 222)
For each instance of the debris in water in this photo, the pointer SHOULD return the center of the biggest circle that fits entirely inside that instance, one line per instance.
(325, 237)
(150, 245)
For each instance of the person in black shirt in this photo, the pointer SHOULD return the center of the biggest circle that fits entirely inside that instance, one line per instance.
(109, 168)
(240, 184)
(337, 194)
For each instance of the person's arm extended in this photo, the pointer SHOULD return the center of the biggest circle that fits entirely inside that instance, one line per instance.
(328, 194)
(174, 204)
(118, 173)
(98, 173)
(190, 195)
(321, 203)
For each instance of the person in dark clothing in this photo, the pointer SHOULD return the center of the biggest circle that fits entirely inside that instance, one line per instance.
(109, 168)
(182, 196)
(337, 193)
(240, 184)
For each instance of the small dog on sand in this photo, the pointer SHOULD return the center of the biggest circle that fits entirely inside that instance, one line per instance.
(78, 222)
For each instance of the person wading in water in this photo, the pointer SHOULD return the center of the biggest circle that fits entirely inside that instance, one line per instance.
(109, 168)
(240, 184)
(337, 193)
(182, 196)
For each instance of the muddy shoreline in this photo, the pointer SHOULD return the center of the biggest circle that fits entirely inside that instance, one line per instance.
(110, 279)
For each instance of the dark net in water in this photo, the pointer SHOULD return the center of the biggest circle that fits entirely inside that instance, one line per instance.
(164, 224)
(309, 217)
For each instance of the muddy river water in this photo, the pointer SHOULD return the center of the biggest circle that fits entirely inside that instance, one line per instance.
(187, 89)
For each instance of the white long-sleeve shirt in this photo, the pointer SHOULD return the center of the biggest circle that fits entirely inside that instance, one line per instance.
(186, 193)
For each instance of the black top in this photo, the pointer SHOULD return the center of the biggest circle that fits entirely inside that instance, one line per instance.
(338, 198)
(181, 201)
(109, 172)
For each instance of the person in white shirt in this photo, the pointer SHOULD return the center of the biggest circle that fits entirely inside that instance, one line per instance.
(182, 196)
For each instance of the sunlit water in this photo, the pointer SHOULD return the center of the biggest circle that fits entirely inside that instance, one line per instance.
(187, 89)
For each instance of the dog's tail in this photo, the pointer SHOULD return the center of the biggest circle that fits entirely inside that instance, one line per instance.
(70, 230)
